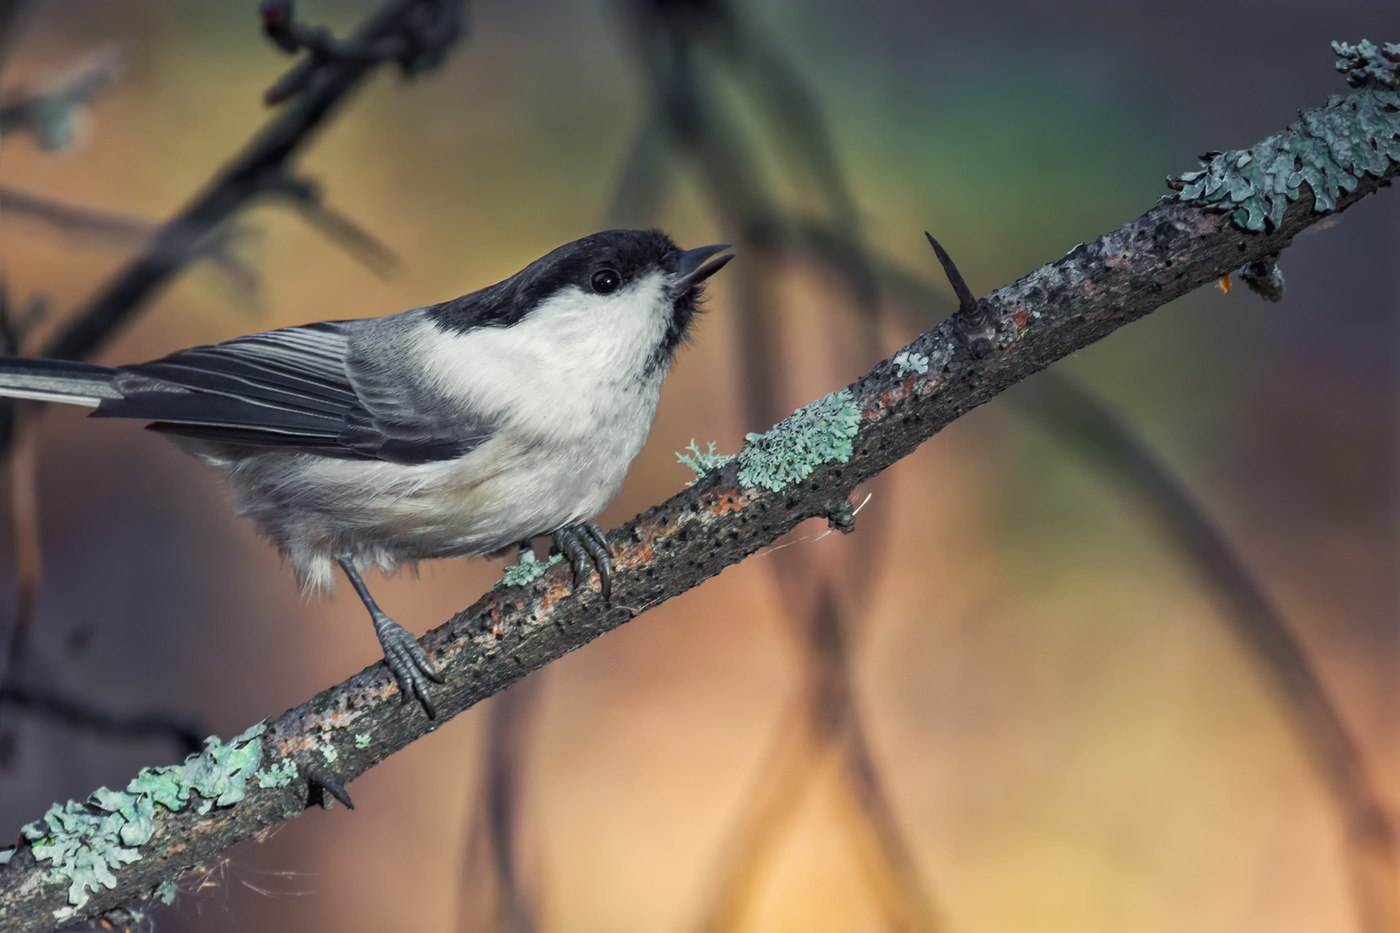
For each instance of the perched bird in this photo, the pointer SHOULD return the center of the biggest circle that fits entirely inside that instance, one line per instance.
(452, 430)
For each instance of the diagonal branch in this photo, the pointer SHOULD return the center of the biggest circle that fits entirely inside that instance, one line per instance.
(1047, 315)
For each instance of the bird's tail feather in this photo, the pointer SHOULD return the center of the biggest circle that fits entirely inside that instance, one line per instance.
(56, 381)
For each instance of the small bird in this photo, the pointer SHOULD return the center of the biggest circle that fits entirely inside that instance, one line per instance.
(453, 430)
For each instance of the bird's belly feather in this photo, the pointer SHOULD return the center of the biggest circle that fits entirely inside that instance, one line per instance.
(317, 510)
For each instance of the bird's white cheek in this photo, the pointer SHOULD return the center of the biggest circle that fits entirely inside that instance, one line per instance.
(571, 367)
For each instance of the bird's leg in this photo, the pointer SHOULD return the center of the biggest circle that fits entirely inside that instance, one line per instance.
(402, 652)
(581, 542)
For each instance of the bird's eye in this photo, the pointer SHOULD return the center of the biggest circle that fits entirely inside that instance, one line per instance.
(606, 281)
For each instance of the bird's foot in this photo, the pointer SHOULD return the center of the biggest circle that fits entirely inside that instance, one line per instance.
(408, 661)
(581, 542)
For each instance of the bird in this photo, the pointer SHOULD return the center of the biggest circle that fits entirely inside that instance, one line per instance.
(458, 429)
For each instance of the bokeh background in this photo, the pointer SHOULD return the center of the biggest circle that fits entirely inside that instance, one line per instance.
(1064, 730)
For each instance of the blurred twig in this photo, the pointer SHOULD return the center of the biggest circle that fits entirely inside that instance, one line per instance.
(671, 38)
(50, 114)
(11, 13)
(822, 728)
(308, 199)
(105, 228)
(22, 497)
(262, 163)
(423, 34)
(494, 826)
(111, 229)
(185, 732)
(24, 533)
(1090, 430)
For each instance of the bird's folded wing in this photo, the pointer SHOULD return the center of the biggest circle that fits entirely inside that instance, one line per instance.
(291, 388)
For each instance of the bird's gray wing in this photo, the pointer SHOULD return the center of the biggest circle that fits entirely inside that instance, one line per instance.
(402, 415)
(303, 388)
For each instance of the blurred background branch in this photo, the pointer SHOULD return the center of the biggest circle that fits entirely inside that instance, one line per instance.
(183, 732)
(107, 229)
(674, 43)
(50, 114)
(247, 176)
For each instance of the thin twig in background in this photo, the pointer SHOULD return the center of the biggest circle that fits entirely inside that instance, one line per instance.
(51, 114)
(185, 732)
(494, 830)
(21, 494)
(308, 199)
(12, 12)
(23, 497)
(820, 731)
(1081, 422)
(421, 36)
(263, 162)
(789, 767)
(109, 229)
(671, 39)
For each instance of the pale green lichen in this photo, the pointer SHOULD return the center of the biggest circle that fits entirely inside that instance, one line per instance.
(910, 361)
(219, 775)
(362, 740)
(1329, 149)
(165, 892)
(85, 841)
(528, 569)
(281, 774)
(794, 447)
(328, 752)
(701, 461)
(1365, 65)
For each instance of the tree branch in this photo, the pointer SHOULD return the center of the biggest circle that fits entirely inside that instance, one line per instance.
(1045, 316)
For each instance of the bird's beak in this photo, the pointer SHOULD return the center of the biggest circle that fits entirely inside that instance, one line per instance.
(691, 270)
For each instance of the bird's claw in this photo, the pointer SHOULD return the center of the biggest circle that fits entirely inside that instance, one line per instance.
(409, 663)
(580, 543)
